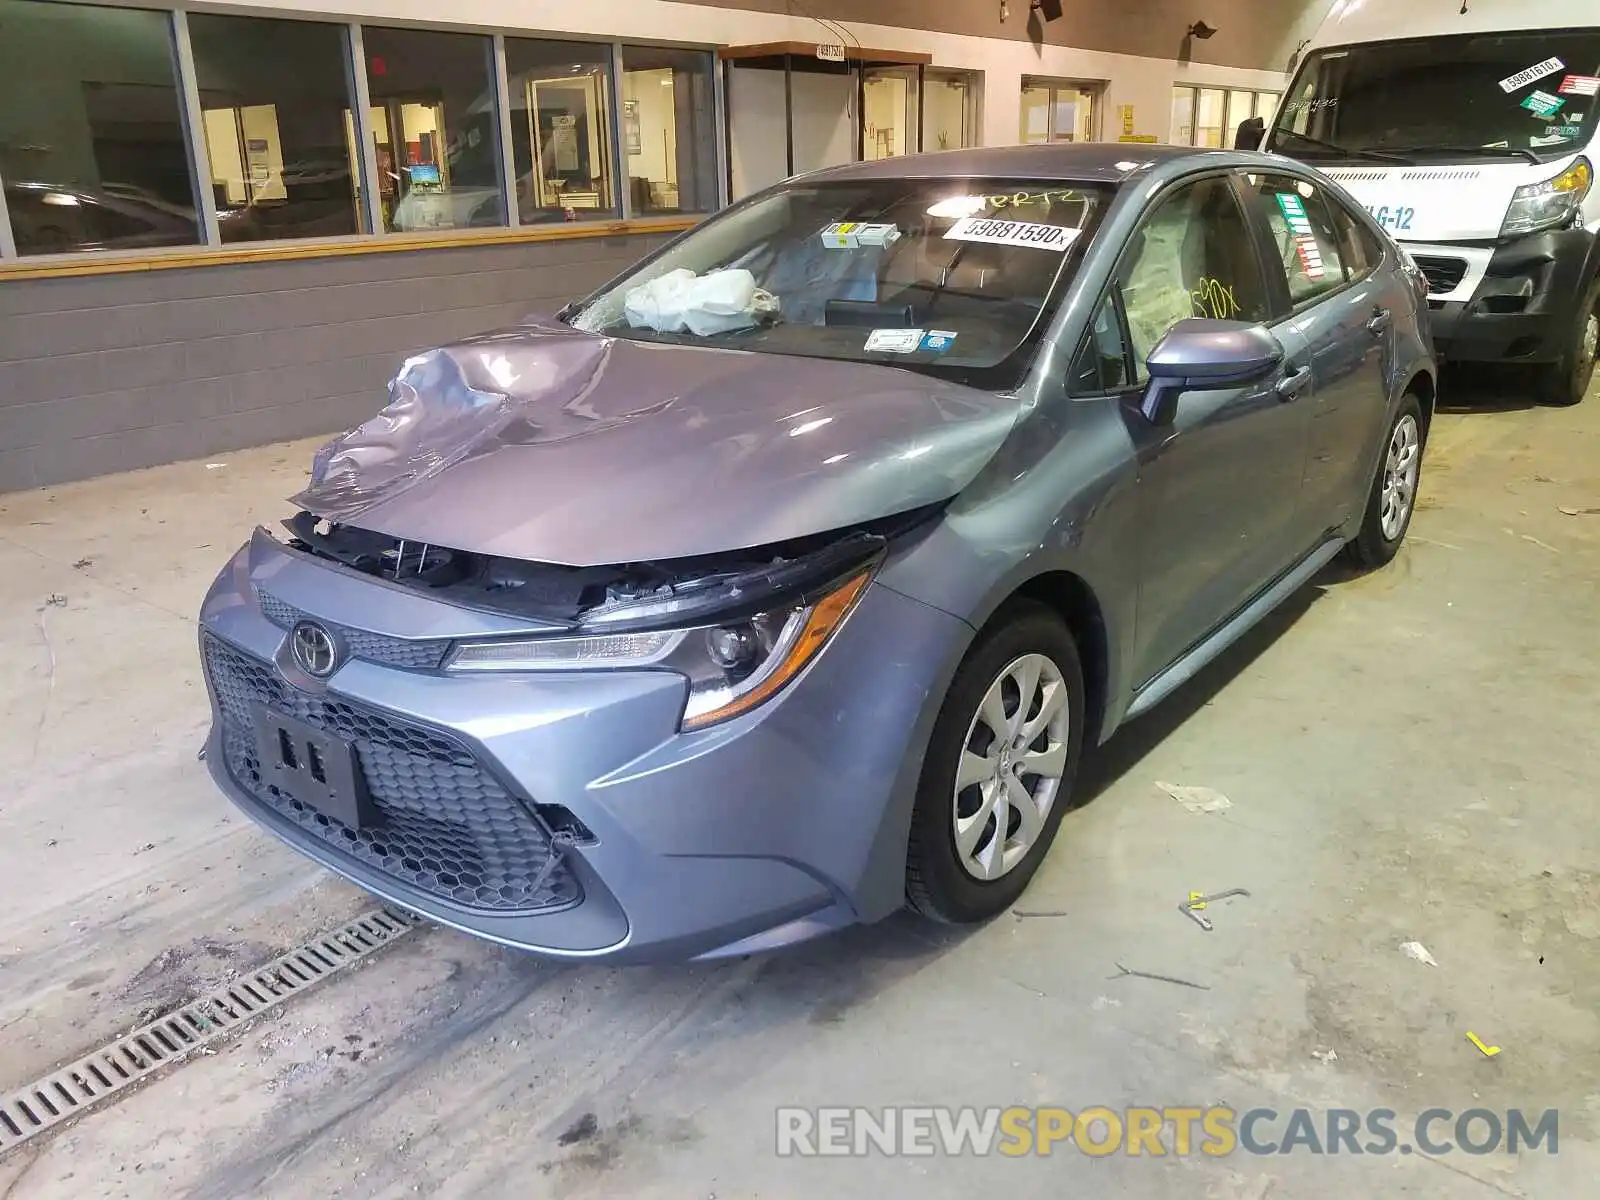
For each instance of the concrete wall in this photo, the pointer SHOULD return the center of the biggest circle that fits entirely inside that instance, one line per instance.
(113, 372)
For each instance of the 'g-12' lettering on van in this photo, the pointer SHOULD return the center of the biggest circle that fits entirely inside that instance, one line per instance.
(1012, 233)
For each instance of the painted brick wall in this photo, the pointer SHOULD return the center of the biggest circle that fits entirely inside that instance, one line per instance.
(115, 372)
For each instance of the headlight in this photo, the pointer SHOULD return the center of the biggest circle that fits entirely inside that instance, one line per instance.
(731, 667)
(1550, 204)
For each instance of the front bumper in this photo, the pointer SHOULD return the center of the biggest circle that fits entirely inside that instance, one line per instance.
(767, 830)
(1520, 310)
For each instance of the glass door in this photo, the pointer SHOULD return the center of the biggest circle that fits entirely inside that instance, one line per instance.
(889, 111)
(949, 109)
(1060, 112)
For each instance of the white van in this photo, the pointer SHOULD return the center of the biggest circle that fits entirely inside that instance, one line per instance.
(1467, 128)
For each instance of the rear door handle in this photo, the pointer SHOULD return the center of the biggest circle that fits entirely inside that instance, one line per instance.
(1380, 322)
(1290, 386)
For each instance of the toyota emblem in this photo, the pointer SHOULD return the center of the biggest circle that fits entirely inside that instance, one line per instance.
(314, 649)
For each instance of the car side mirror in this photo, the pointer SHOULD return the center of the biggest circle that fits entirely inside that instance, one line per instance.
(1251, 133)
(1200, 354)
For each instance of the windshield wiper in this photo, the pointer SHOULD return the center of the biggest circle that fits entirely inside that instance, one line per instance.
(1491, 151)
(1377, 155)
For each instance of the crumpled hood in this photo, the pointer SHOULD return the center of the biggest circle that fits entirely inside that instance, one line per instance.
(547, 444)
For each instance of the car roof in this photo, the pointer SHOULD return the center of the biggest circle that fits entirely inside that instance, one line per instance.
(1085, 162)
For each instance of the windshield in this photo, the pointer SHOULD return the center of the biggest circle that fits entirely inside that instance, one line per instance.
(952, 277)
(1529, 95)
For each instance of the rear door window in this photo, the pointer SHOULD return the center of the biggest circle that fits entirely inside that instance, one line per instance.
(1301, 226)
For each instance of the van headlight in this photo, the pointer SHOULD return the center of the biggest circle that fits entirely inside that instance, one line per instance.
(1550, 204)
(731, 667)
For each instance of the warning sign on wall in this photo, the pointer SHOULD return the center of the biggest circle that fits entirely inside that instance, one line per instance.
(1127, 118)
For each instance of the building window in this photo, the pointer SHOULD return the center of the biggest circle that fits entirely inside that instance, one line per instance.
(561, 130)
(92, 146)
(436, 129)
(1211, 116)
(1059, 111)
(950, 109)
(889, 105)
(275, 101)
(1182, 116)
(669, 130)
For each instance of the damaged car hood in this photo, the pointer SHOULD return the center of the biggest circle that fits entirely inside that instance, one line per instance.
(548, 444)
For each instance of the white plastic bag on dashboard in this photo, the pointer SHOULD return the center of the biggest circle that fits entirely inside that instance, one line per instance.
(716, 303)
(658, 303)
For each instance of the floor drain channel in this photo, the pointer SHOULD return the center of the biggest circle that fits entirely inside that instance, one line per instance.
(63, 1094)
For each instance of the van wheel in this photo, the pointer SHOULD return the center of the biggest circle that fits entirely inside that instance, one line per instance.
(999, 769)
(1393, 498)
(1565, 381)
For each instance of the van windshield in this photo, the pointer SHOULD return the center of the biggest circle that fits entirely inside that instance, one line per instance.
(1532, 95)
(950, 277)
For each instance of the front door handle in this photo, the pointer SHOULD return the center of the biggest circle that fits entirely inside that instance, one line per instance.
(1290, 386)
(1381, 320)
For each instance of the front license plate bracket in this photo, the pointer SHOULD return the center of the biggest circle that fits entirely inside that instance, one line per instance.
(316, 768)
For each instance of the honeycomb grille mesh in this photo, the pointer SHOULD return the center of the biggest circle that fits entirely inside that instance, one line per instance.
(410, 655)
(445, 824)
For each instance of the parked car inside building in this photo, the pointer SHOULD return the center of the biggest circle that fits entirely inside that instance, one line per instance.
(787, 578)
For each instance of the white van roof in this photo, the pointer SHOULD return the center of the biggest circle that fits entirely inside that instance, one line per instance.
(1390, 20)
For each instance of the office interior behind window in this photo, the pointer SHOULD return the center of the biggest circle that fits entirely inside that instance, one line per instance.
(101, 148)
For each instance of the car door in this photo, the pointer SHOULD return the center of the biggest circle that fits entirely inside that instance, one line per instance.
(1220, 485)
(1339, 306)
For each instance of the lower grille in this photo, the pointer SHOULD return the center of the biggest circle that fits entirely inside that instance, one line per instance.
(426, 654)
(446, 825)
(1444, 274)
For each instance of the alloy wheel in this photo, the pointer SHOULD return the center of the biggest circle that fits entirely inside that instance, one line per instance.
(1589, 348)
(1011, 766)
(1401, 467)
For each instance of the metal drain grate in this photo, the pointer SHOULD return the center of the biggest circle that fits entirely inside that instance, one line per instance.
(63, 1094)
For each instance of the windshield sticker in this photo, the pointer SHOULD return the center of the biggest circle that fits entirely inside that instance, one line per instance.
(893, 341)
(1538, 143)
(937, 341)
(1523, 78)
(1305, 240)
(1295, 106)
(1562, 132)
(1543, 104)
(1013, 233)
(851, 235)
(1580, 85)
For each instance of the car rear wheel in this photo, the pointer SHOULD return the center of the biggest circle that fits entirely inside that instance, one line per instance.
(1393, 498)
(999, 770)
(1566, 381)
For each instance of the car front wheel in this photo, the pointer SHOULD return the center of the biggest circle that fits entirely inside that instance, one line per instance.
(999, 769)
(1393, 498)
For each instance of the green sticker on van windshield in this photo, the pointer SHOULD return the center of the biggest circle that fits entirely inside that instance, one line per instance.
(1543, 104)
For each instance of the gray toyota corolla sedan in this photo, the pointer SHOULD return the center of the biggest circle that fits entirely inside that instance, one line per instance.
(783, 581)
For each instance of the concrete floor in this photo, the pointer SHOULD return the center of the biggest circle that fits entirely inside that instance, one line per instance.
(1409, 756)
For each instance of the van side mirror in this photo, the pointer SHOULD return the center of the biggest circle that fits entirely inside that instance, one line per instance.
(1200, 354)
(1251, 133)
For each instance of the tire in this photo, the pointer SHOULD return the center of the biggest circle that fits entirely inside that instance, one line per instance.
(1565, 381)
(938, 884)
(1381, 535)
